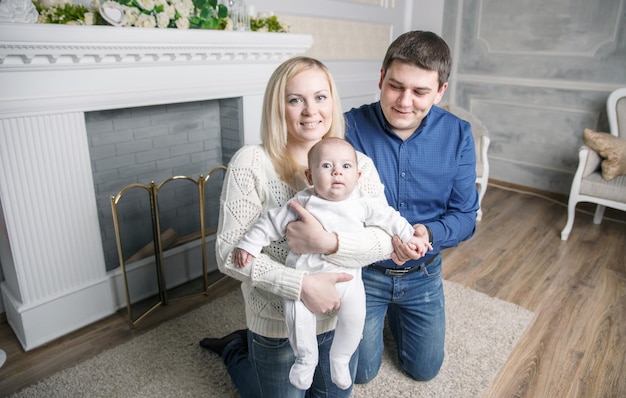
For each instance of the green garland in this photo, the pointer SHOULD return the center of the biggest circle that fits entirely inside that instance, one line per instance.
(209, 15)
(270, 24)
(67, 14)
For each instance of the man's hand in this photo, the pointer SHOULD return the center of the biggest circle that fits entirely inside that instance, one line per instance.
(403, 252)
(319, 293)
(307, 234)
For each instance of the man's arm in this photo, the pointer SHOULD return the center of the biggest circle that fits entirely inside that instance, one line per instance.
(458, 223)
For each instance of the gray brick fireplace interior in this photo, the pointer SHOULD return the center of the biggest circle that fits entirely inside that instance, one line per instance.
(153, 143)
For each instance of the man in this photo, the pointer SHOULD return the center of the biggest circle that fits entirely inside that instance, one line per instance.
(426, 160)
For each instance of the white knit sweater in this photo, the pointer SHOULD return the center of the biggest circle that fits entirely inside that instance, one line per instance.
(251, 187)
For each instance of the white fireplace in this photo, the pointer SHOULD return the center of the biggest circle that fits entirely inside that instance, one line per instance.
(55, 280)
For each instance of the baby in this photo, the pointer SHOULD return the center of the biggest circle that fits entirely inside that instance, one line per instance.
(338, 204)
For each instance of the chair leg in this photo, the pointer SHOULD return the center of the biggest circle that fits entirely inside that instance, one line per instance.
(571, 212)
(482, 188)
(597, 216)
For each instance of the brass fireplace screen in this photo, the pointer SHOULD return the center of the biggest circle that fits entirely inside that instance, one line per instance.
(156, 247)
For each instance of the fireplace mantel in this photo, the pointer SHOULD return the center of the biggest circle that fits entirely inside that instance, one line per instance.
(47, 68)
(50, 243)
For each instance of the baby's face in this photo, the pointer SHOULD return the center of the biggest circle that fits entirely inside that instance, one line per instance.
(334, 171)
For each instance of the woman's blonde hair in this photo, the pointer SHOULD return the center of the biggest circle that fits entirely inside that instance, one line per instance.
(273, 124)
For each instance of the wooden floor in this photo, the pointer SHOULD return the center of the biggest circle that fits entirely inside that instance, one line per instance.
(576, 346)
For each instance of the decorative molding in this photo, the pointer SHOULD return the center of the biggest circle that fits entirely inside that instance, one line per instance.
(536, 34)
(543, 83)
(38, 45)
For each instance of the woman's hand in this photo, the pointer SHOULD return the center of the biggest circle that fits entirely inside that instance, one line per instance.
(319, 293)
(307, 234)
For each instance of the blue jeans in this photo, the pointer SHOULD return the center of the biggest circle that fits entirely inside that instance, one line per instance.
(261, 368)
(415, 306)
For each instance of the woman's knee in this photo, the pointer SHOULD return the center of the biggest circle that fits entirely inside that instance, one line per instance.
(364, 375)
(369, 360)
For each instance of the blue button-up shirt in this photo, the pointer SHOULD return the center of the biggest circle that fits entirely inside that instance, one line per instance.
(430, 178)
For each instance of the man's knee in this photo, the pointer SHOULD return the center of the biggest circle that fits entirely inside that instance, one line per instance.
(423, 371)
(424, 376)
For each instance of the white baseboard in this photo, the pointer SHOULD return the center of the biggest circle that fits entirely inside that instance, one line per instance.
(35, 325)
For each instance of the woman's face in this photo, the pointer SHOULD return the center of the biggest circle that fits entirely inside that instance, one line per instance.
(308, 106)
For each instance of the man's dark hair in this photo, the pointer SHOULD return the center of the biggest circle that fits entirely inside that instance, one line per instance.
(423, 49)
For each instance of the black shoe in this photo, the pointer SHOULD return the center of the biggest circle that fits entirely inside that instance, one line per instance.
(217, 345)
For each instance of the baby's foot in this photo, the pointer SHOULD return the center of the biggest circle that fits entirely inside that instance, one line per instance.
(301, 375)
(340, 375)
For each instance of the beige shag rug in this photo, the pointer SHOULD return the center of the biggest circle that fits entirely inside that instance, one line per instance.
(168, 362)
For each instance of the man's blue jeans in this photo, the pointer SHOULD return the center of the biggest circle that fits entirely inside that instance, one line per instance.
(415, 306)
(261, 369)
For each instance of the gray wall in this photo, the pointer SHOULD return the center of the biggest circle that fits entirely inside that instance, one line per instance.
(536, 73)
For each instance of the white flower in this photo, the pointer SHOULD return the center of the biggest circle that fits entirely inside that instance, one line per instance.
(182, 23)
(170, 11)
(229, 24)
(94, 5)
(145, 21)
(132, 14)
(147, 5)
(167, 8)
(90, 18)
(162, 20)
(184, 7)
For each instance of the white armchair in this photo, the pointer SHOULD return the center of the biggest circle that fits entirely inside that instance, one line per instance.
(481, 141)
(588, 184)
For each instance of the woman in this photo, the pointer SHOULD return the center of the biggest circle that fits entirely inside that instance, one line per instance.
(301, 106)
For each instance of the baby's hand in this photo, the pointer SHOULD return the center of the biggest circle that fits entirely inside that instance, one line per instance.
(241, 257)
(424, 248)
(420, 245)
